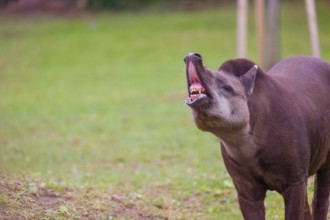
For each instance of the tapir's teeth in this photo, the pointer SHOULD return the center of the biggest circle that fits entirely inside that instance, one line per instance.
(199, 91)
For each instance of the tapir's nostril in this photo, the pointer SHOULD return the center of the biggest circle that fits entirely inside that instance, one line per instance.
(198, 55)
(193, 56)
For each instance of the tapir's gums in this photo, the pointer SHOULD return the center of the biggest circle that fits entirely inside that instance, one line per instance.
(274, 129)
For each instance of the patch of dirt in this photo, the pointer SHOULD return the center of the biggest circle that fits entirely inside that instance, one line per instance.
(26, 199)
(20, 200)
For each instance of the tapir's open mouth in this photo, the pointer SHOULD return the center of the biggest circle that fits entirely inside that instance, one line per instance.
(196, 90)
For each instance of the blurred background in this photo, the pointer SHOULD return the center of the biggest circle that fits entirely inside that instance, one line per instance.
(29, 6)
(93, 123)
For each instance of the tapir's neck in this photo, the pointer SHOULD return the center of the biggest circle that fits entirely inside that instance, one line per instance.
(238, 145)
(235, 138)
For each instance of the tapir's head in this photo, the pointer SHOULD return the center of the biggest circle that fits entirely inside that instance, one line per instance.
(219, 99)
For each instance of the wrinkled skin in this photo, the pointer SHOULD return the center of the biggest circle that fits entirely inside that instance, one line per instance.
(274, 129)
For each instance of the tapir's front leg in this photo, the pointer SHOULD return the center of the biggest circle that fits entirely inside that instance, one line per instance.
(294, 199)
(252, 210)
(251, 194)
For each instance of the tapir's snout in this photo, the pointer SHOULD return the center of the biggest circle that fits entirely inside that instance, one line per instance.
(197, 88)
(193, 57)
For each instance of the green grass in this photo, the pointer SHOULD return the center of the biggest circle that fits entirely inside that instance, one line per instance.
(97, 104)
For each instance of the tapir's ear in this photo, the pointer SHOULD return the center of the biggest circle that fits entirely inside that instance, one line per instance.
(248, 79)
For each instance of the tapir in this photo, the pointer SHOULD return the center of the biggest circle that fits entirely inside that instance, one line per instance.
(274, 129)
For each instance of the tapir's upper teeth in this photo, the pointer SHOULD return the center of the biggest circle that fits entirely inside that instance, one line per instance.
(196, 90)
(193, 90)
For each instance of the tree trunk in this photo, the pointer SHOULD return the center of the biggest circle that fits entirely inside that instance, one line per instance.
(241, 34)
(260, 25)
(312, 25)
(272, 41)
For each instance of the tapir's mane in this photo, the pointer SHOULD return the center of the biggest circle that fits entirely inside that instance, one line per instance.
(237, 67)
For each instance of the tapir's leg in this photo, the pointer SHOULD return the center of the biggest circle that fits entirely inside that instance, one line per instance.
(294, 199)
(252, 209)
(321, 195)
(308, 215)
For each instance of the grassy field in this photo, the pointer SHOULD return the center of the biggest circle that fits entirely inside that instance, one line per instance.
(93, 123)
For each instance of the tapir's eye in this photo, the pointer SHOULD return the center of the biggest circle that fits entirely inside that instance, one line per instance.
(228, 88)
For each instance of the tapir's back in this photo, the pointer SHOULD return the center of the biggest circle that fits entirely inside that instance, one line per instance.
(301, 70)
(307, 78)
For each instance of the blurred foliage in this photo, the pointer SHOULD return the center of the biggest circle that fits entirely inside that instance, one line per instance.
(118, 4)
(136, 4)
(111, 4)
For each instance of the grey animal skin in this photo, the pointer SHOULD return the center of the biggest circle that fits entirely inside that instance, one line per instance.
(274, 129)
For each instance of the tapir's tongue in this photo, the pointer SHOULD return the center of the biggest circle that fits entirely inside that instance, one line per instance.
(194, 81)
(192, 75)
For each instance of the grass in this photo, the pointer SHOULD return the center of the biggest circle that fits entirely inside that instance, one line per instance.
(93, 117)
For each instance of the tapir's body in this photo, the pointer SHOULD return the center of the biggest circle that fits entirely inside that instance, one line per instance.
(274, 129)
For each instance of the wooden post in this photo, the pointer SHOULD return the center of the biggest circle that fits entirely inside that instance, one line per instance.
(312, 25)
(272, 41)
(260, 26)
(241, 33)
